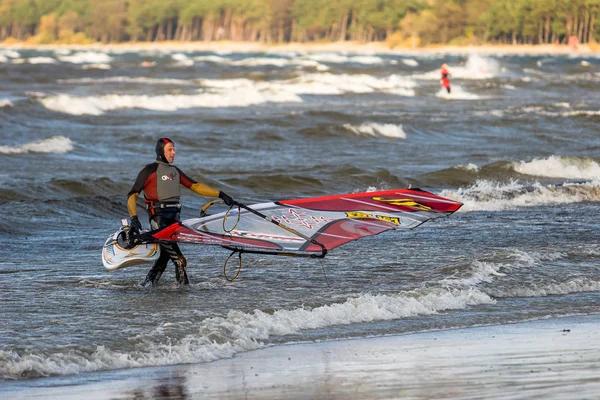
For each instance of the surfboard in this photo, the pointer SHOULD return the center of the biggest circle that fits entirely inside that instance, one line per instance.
(116, 255)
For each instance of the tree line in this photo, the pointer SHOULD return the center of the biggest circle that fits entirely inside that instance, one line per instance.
(406, 23)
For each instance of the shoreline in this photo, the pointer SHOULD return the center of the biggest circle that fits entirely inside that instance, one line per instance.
(550, 359)
(346, 47)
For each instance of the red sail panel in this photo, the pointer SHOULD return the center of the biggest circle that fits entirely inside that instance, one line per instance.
(407, 200)
(340, 232)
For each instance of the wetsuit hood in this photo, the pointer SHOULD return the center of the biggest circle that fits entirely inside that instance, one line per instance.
(160, 149)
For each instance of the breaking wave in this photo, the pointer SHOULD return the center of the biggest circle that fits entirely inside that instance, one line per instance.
(560, 167)
(475, 68)
(97, 105)
(219, 93)
(54, 144)
(222, 337)
(374, 129)
(486, 195)
(86, 57)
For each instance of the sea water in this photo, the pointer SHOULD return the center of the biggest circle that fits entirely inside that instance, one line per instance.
(517, 141)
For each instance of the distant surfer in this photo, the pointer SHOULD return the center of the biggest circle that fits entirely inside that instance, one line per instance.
(161, 183)
(445, 75)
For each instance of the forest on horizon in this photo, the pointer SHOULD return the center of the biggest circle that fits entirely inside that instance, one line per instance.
(402, 23)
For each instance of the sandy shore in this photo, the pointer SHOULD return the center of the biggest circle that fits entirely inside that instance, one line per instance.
(347, 47)
(550, 359)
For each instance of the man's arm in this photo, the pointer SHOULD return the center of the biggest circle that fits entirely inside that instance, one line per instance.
(196, 187)
(136, 189)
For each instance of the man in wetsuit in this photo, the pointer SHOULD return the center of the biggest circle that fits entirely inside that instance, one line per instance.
(161, 183)
(445, 75)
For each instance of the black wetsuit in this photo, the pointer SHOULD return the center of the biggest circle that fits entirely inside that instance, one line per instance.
(161, 184)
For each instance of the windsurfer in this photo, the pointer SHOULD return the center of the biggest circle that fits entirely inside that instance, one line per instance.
(445, 82)
(161, 183)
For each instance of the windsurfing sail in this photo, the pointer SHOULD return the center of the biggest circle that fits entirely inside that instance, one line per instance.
(314, 225)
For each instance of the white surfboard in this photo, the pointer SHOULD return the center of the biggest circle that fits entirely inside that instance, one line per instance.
(115, 255)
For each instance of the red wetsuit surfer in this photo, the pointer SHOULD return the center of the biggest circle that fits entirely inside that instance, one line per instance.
(445, 75)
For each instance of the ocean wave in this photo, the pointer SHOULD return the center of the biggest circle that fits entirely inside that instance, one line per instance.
(6, 55)
(127, 79)
(482, 271)
(5, 103)
(41, 60)
(553, 110)
(475, 68)
(487, 271)
(457, 94)
(375, 129)
(53, 144)
(576, 285)
(234, 93)
(86, 57)
(97, 105)
(337, 58)
(222, 337)
(486, 195)
(264, 61)
(560, 167)
(410, 62)
(97, 66)
(324, 84)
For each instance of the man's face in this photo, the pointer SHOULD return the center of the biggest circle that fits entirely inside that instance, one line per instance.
(169, 152)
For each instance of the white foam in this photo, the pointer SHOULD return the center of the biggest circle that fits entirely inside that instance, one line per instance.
(479, 67)
(469, 167)
(221, 337)
(576, 285)
(219, 93)
(560, 167)
(410, 62)
(327, 83)
(54, 144)
(5, 103)
(457, 93)
(578, 113)
(87, 57)
(339, 58)
(494, 196)
(333, 58)
(62, 52)
(10, 53)
(262, 61)
(375, 129)
(486, 271)
(127, 79)
(476, 68)
(212, 59)
(97, 105)
(179, 57)
(41, 60)
(184, 63)
(182, 60)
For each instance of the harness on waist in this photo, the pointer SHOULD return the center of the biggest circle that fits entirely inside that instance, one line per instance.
(155, 207)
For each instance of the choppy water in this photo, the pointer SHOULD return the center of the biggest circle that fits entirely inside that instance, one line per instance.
(518, 143)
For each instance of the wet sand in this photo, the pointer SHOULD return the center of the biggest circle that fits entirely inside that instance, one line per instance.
(549, 359)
